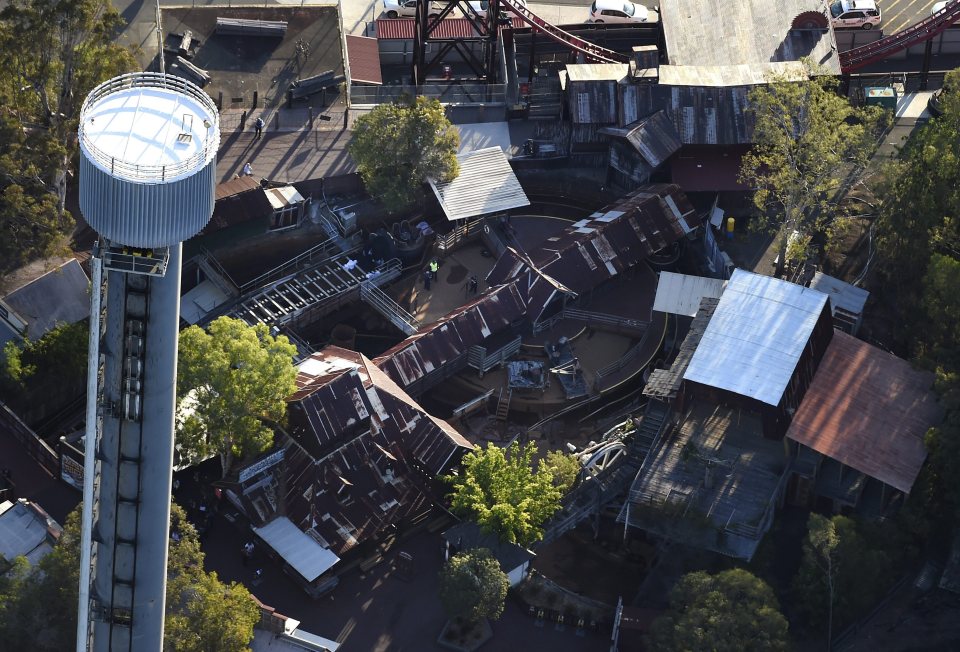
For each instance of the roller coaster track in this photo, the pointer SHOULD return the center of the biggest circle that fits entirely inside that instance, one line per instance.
(925, 30)
(592, 52)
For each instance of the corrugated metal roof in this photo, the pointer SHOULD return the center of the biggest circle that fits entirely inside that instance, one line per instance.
(27, 530)
(842, 295)
(596, 71)
(754, 74)
(665, 383)
(592, 250)
(680, 294)
(235, 186)
(756, 336)
(486, 184)
(440, 342)
(747, 32)
(363, 56)
(282, 197)
(700, 114)
(653, 137)
(303, 553)
(869, 410)
(449, 28)
(61, 296)
(238, 200)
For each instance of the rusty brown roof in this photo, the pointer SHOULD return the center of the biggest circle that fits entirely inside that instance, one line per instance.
(595, 249)
(237, 201)
(363, 55)
(869, 410)
(438, 343)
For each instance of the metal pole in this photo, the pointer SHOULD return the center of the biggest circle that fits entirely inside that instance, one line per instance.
(89, 452)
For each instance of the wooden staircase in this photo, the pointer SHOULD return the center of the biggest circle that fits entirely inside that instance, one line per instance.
(503, 404)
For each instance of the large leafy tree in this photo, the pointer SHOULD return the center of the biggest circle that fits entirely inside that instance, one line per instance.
(51, 55)
(472, 586)
(38, 606)
(232, 381)
(732, 610)
(398, 147)
(845, 569)
(506, 493)
(807, 141)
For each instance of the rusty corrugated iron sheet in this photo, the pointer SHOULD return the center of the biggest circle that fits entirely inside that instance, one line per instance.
(654, 137)
(449, 28)
(869, 410)
(358, 454)
(605, 244)
(363, 55)
(438, 343)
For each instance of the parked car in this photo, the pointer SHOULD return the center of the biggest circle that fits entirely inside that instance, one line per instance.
(940, 6)
(408, 8)
(861, 14)
(617, 11)
(479, 7)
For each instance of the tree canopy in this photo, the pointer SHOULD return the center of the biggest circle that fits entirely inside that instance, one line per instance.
(232, 380)
(807, 140)
(732, 610)
(51, 55)
(398, 147)
(472, 586)
(38, 606)
(503, 492)
(846, 567)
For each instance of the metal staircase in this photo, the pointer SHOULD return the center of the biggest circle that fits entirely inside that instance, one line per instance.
(380, 301)
(546, 99)
(311, 290)
(503, 404)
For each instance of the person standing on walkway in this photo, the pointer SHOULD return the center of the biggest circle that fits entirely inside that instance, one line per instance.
(426, 279)
(258, 127)
(247, 169)
(473, 284)
(434, 268)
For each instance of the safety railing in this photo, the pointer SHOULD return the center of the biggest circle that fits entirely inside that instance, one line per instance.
(453, 93)
(590, 50)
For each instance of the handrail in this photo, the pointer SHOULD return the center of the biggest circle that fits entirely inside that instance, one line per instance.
(35, 447)
(604, 318)
(281, 270)
(152, 172)
(588, 49)
(922, 31)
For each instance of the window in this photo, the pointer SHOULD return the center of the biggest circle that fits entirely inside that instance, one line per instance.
(629, 8)
(836, 9)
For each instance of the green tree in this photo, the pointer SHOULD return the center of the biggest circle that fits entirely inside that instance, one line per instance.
(502, 492)
(808, 140)
(564, 467)
(843, 572)
(941, 307)
(472, 586)
(211, 617)
(51, 55)
(733, 610)
(398, 147)
(231, 381)
(61, 352)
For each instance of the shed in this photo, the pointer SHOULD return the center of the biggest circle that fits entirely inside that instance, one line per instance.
(868, 410)
(763, 344)
(642, 146)
(847, 301)
(681, 294)
(592, 91)
(287, 205)
(486, 184)
(25, 530)
(238, 200)
(61, 296)
(304, 555)
(363, 60)
(514, 560)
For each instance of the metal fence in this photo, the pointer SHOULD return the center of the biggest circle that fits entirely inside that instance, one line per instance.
(446, 93)
(32, 444)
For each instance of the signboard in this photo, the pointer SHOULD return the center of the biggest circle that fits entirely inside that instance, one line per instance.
(262, 465)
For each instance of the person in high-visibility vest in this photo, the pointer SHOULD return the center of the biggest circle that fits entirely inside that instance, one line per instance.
(730, 224)
(434, 268)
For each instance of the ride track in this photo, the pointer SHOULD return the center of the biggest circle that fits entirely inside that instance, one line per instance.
(850, 60)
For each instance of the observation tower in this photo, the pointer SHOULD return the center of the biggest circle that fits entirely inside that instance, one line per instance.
(148, 144)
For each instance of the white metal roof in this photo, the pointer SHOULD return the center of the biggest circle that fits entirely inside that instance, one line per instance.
(842, 294)
(284, 196)
(136, 132)
(486, 184)
(298, 549)
(597, 71)
(753, 342)
(200, 300)
(680, 294)
(23, 531)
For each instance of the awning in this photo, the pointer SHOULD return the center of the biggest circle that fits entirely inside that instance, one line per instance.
(363, 58)
(486, 184)
(298, 549)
